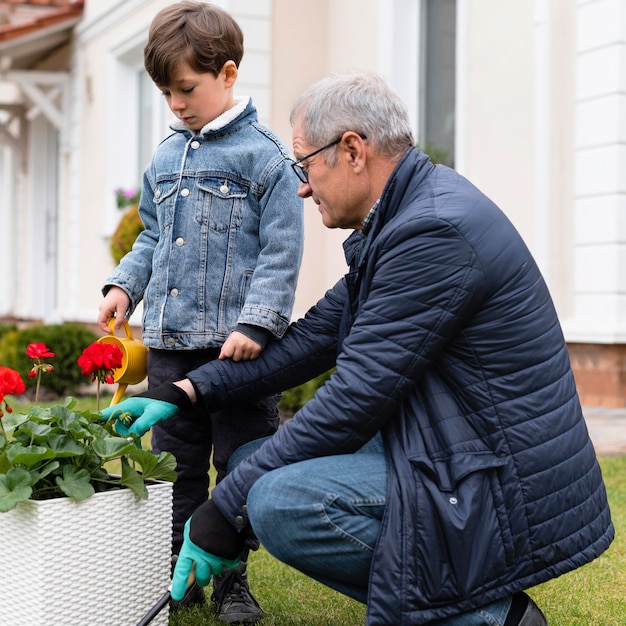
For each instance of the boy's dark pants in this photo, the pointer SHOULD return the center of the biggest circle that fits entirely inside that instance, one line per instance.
(192, 435)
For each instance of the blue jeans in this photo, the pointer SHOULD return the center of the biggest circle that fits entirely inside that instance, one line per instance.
(329, 511)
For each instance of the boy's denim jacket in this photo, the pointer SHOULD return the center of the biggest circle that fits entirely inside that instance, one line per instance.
(223, 235)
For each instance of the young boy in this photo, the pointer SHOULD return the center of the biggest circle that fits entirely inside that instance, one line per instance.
(217, 263)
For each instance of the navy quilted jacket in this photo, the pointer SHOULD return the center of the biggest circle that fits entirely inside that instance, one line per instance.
(445, 338)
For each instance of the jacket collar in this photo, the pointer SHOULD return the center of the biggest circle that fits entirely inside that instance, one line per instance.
(410, 172)
(224, 122)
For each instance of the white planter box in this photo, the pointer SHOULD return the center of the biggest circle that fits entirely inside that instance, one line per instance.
(103, 561)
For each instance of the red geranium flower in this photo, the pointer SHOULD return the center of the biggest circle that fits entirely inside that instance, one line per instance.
(38, 351)
(10, 383)
(99, 359)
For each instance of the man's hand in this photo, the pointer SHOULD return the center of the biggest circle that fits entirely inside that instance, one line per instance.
(149, 408)
(206, 566)
(211, 542)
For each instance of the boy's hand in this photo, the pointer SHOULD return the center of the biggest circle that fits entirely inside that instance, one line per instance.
(240, 347)
(115, 304)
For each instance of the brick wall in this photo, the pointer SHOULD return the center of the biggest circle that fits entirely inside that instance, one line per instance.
(600, 373)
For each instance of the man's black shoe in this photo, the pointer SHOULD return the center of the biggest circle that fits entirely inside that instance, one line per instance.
(234, 603)
(524, 612)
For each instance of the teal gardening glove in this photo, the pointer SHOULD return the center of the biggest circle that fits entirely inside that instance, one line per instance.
(148, 408)
(208, 527)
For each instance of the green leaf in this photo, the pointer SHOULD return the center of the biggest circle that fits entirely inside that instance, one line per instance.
(41, 413)
(28, 455)
(66, 418)
(11, 420)
(133, 480)
(80, 431)
(161, 467)
(44, 471)
(65, 446)
(15, 487)
(112, 447)
(30, 430)
(75, 483)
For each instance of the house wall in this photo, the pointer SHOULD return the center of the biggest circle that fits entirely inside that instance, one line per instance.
(539, 128)
(330, 44)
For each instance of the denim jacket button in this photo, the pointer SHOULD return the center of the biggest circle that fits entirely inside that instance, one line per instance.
(185, 192)
(174, 292)
(239, 520)
(179, 241)
(195, 145)
(224, 188)
(170, 342)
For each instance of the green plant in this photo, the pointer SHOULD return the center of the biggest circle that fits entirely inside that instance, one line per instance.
(437, 155)
(128, 228)
(65, 340)
(295, 398)
(7, 328)
(126, 197)
(58, 451)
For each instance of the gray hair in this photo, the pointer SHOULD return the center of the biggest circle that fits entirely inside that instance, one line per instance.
(360, 102)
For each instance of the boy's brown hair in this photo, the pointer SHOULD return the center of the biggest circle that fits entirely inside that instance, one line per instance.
(197, 33)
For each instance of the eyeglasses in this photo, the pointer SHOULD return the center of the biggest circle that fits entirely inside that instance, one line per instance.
(301, 173)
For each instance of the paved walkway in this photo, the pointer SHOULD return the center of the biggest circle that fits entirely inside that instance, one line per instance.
(607, 428)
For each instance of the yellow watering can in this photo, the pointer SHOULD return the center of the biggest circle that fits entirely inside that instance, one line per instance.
(134, 367)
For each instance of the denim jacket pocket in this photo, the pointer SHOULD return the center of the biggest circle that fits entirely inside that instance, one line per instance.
(220, 203)
(165, 199)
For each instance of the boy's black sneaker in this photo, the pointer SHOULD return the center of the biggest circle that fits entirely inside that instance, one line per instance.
(234, 602)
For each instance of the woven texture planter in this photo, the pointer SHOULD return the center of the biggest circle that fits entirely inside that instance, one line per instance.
(102, 561)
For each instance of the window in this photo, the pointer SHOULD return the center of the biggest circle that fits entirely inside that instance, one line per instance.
(139, 123)
(146, 113)
(438, 76)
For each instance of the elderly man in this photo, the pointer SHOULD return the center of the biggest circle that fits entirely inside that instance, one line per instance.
(445, 466)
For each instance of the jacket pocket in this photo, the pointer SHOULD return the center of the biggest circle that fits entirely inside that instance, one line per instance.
(463, 535)
(220, 203)
(165, 199)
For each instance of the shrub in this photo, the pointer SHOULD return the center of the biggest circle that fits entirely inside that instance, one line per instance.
(295, 398)
(6, 328)
(129, 227)
(437, 155)
(67, 341)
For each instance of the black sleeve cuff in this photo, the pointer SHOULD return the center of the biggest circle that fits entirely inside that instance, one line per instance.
(168, 392)
(256, 333)
(213, 533)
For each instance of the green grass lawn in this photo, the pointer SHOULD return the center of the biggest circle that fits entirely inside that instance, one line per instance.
(593, 595)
